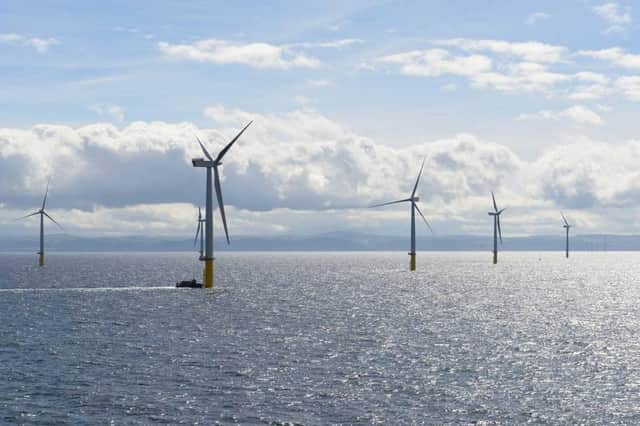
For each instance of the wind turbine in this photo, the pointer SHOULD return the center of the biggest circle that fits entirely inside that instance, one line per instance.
(209, 163)
(496, 228)
(414, 207)
(42, 214)
(200, 231)
(566, 226)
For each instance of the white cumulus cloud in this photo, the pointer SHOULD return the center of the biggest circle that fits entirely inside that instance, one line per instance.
(41, 45)
(435, 62)
(612, 14)
(615, 56)
(530, 51)
(629, 86)
(297, 170)
(521, 77)
(255, 54)
(258, 55)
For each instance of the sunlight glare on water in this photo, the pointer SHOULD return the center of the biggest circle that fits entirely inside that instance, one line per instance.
(319, 338)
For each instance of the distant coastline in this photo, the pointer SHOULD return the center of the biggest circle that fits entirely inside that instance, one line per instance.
(324, 242)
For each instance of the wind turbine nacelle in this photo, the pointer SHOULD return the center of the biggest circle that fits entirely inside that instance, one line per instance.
(416, 199)
(201, 162)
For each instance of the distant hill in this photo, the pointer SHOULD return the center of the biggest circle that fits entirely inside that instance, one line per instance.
(333, 241)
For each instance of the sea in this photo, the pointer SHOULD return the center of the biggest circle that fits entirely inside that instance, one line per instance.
(321, 338)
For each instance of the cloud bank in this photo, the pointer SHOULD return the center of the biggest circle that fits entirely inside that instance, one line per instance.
(299, 165)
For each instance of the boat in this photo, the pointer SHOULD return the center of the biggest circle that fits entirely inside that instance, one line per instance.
(188, 284)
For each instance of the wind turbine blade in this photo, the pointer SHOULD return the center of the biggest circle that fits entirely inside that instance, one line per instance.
(423, 218)
(226, 148)
(195, 240)
(495, 206)
(29, 215)
(500, 211)
(52, 220)
(499, 230)
(44, 200)
(206, 153)
(415, 187)
(199, 214)
(220, 202)
(391, 202)
(564, 218)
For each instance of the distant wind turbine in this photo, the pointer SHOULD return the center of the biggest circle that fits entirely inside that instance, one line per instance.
(42, 214)
(496, 228)
(566, 226)
(209, 163)
(200, 231)
(414, 207)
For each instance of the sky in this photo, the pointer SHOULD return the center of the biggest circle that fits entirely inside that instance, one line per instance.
(535, 101)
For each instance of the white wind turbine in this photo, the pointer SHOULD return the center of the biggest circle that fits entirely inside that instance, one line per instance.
(496, 228)
(42, 214)
(414, 207)
(200, 231)
(566, 226)
(210, 163)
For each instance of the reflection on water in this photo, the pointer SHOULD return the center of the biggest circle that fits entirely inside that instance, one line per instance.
(321, 338)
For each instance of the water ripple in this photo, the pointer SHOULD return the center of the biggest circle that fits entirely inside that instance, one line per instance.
(316, 338)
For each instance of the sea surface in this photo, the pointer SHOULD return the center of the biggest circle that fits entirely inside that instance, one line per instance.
(318, 338)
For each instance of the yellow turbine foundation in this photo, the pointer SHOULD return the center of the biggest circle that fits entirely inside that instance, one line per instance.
(208, 273)
(41, 260)
(413, 261)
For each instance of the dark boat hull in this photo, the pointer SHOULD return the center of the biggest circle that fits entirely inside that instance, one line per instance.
(188, 284)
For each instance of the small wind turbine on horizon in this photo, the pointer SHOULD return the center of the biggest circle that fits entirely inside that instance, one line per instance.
(200, 231)
(42, 214)
(414, 207)
(566, 226)
(496, 228)
(209, 163)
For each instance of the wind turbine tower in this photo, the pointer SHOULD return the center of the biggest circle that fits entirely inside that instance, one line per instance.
(200, 232)
(42, 214)
(566, 226)
(212, 164)
(496, 228)
(414, 207)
